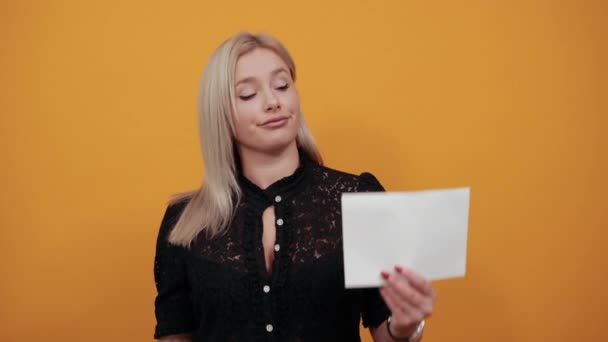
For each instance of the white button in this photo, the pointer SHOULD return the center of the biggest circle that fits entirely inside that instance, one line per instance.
(277, 248)
(266, 288)
(278, 199)
(280, 222)
(269, 327)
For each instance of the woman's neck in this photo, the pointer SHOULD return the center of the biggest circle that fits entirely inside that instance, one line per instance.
(263, 169)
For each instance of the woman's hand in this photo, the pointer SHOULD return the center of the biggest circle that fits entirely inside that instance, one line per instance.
(410, 297)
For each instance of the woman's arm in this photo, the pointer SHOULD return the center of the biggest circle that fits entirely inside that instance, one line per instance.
(176, 338)
(380, 333)
(410, 298)
(173, 307)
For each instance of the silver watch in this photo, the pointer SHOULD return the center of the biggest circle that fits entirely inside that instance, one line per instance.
(417, 335)
(414, 337)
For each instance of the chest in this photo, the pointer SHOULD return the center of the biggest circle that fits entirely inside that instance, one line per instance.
(269, 233)
(270, 240)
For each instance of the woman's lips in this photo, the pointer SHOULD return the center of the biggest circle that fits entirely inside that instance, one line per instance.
(276, 122)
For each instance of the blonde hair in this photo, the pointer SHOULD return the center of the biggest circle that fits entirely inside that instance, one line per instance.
(211, 207)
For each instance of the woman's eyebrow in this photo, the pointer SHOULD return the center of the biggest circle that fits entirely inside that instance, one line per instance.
(251, 78)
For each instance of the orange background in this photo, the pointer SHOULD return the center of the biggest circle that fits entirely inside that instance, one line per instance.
(98, 127)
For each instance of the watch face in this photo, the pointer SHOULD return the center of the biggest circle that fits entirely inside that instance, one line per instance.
(418, 333)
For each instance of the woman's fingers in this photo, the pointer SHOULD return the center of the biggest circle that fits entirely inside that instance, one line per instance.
(400, 285)
(402, 289)
(400, 309)
(390, 299)
(416, 280)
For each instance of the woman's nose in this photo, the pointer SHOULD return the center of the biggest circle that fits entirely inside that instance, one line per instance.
(273, 107)
(272, 102)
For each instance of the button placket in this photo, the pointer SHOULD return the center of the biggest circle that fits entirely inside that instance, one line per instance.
(266, 288)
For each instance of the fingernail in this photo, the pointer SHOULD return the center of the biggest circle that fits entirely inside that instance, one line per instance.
(384, 275)
(399, 269)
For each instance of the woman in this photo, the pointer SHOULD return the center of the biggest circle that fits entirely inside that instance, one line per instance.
(256, 253)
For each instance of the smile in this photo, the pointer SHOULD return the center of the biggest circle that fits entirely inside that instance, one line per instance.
(276, 122)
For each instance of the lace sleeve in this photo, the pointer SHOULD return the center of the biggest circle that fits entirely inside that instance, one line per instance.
(374, 310)
(368, 182)
(173, 307)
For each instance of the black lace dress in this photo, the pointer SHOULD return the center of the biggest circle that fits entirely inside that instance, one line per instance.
(219, 290)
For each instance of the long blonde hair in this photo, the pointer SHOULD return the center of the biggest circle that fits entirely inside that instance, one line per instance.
(211, 207)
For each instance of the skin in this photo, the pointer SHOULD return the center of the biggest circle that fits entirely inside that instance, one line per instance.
(265, 92)
(266, 124)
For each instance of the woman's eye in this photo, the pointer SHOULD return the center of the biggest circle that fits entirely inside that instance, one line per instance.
(247, 97)
(283, 87)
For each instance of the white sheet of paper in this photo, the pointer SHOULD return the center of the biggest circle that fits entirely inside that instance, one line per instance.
(423, 230)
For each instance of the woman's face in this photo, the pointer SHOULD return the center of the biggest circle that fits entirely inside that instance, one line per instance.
(267, 104)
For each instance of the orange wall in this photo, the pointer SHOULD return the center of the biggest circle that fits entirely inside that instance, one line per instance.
(98, 127)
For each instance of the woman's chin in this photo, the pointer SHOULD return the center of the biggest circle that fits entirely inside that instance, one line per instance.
(278, 145)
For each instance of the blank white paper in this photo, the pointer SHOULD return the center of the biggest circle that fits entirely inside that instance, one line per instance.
(423, 230)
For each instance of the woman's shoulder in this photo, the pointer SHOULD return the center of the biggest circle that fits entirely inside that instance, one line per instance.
(364, 181)
(178, 202)
(173, 210)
